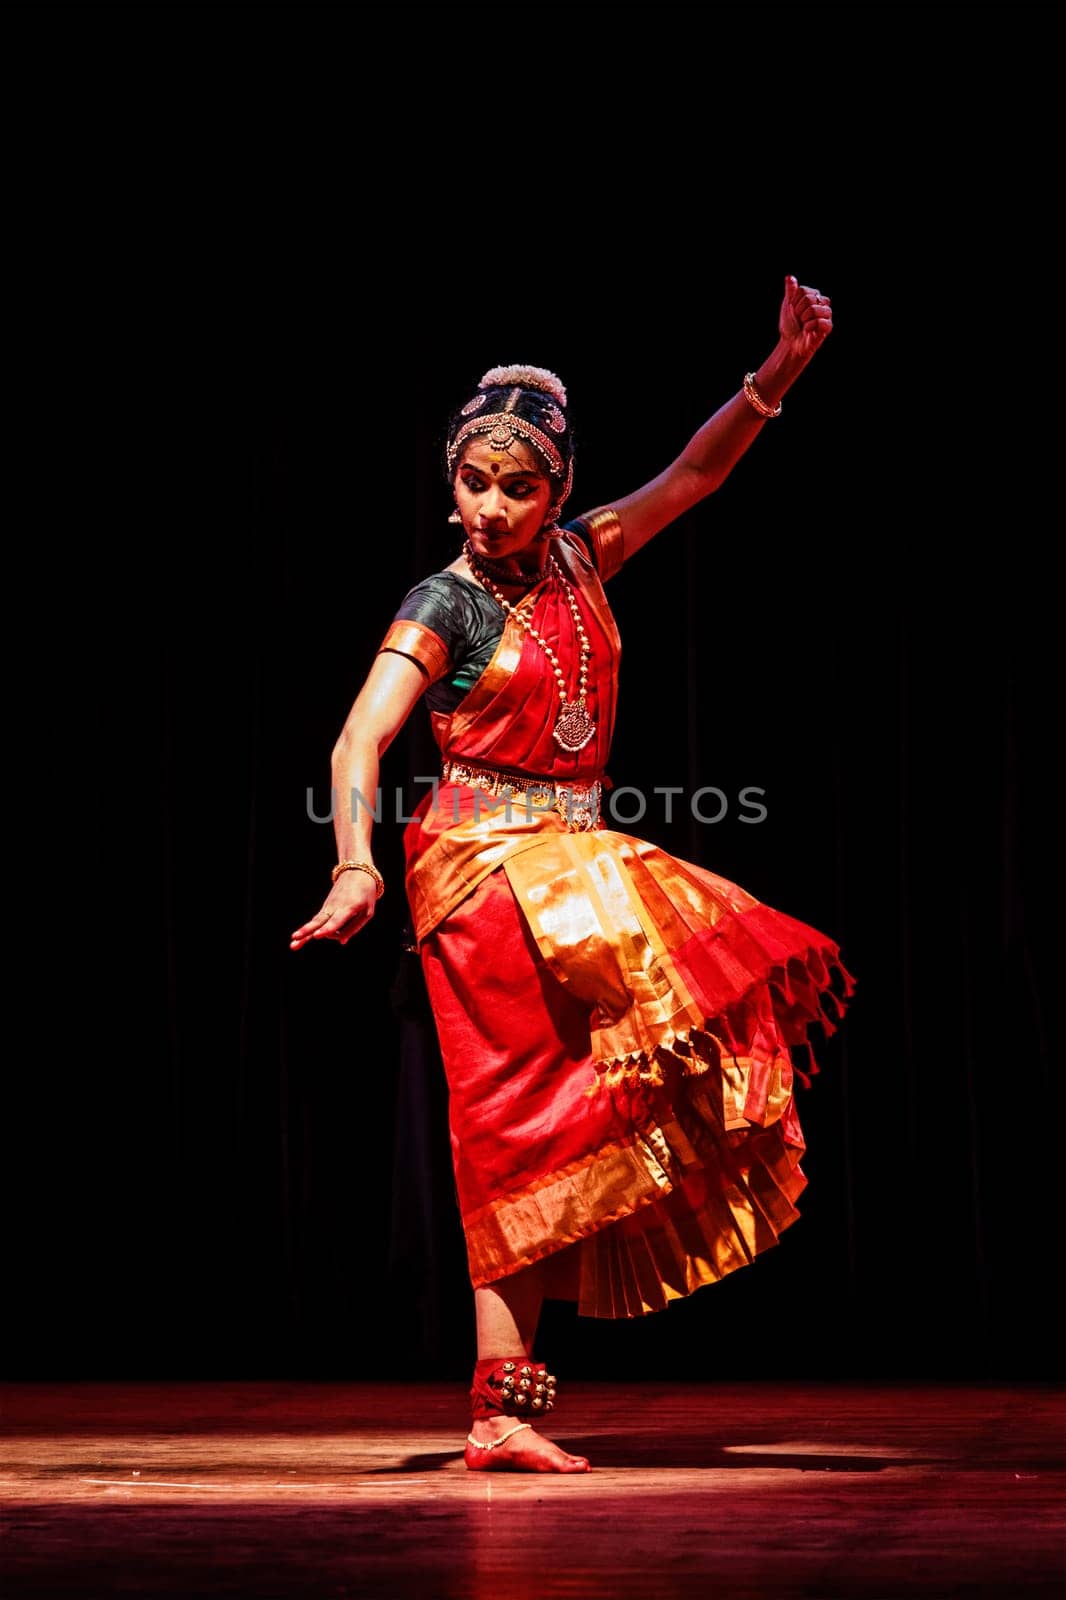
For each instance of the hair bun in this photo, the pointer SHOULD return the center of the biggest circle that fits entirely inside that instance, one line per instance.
(528, 378)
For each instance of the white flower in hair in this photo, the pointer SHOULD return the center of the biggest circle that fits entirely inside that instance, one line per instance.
(528, 377)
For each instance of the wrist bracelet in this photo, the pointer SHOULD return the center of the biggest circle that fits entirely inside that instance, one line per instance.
(360, 866)
(755, 399)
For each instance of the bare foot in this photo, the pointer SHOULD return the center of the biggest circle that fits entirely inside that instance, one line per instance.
(524, 1451)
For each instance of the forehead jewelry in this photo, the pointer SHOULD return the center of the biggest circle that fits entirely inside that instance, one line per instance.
(501, 442)
(573, 726)
(501, 429)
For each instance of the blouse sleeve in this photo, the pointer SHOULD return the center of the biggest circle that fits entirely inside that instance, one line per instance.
(430, 626)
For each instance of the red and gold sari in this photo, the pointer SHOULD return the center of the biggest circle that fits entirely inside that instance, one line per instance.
(616, 1025)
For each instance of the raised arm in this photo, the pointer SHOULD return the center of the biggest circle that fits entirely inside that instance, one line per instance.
(804, 322)
(392, 689)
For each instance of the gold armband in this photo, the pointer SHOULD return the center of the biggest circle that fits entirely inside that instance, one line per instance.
(420, 644)
(605, 532)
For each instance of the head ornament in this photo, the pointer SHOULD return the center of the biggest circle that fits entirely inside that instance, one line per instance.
(523, 402)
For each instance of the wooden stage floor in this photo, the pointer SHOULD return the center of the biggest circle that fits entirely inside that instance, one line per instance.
(741, 1491)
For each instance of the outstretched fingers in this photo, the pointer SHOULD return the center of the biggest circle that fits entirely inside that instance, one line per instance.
(332, 922)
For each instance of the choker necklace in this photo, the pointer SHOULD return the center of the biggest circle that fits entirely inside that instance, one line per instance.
(573, 726)
(497, 570)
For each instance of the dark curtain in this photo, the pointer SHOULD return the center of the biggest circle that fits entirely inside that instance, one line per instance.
(229, 1160)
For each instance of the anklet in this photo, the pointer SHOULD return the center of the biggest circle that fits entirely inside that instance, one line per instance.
(494, 1444)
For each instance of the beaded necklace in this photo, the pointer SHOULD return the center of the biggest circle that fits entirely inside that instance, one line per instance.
(573, 726)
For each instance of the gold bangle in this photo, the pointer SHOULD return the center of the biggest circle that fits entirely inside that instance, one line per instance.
(360, 866)
(755, 399)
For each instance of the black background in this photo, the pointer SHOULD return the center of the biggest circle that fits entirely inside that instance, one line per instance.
(262, 251)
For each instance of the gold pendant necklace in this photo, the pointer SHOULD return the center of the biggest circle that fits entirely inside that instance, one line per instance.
(573, 726)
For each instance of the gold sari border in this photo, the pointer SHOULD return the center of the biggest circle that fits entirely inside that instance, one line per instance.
(565, 1206)
(459, 860)
(647, 1224)
(577, 896)
(697, 1234)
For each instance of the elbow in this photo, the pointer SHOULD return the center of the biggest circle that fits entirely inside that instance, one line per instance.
(354, 748)
(712, 478)
(699, 482)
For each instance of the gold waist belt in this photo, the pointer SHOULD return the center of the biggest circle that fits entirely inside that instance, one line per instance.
(577, 803)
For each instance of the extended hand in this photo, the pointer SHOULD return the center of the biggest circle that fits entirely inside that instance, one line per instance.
(806, 318)
(347, 908)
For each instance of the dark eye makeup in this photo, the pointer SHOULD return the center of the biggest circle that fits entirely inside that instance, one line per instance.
(521, 489)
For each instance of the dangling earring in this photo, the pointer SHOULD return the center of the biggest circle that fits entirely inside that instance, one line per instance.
(551, 528)
(455, 517)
